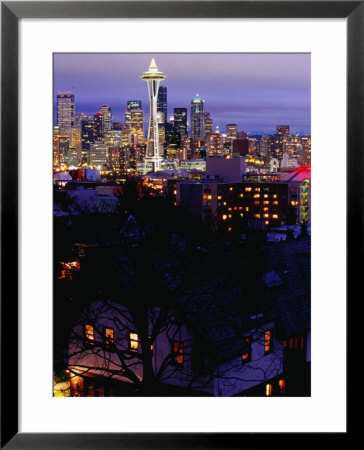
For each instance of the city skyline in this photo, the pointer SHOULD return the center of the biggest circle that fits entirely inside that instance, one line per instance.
(255, 91)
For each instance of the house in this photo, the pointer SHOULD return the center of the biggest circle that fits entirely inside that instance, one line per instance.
(216, 336)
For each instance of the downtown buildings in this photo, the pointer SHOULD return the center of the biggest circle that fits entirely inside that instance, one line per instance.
(187, 135)
(185, 141)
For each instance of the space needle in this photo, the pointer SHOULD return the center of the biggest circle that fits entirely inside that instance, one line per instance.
(153, 77)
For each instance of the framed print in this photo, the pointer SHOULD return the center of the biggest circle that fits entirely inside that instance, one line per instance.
(159, 256)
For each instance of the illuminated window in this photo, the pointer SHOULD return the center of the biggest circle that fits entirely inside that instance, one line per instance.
(133, 341)
(224, 217)
(275, 202)
(248, 189)
(109, 336)
(256, 195)
(268, 342)
(267, 222)
(257, 216)
(229, 229)
(246, 357)
(241, 195)
(268, 390)
(89, 335)
(282, 386)
(247, 208)
(275, 216)
(256, 202)
(177, 350)
(257, 189)
(266, 196)
(266, 202)
(266, 216)
(265, 209)
(275, 195)
(209, 197)
(68, 268)
(219, 197)
(230, 188)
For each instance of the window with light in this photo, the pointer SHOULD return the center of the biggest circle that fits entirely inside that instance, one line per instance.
(133, 341)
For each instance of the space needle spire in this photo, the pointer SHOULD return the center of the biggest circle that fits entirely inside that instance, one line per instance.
(153, 77)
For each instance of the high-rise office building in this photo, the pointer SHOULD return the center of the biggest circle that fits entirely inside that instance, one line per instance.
(73, 157)
(264, 145)
(106, 113)
(76, 141)
(87, 134)
(180, 120)
(82, 116)
(153, 77)
(125, 135)
(133, 104)
(162, 102)
(282, 130)
(98, 154)
(65, 111)
(98, 127)
(208, 124)
(87, 138)
(56, 134)
(197, 119)
(64, 145)
(215, 144)
(134, 118)
(232, 130)
(306, 150)
(112, 139)
(173, 140)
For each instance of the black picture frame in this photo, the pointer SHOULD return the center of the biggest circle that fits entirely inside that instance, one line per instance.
(11, 12)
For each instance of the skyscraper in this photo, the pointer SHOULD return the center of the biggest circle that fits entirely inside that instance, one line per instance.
(65, 112)
(232, 130)
(162, 102)
(133, 104)
(98, 127)
(153, 77)
(208, 124)
(197, 119)
(180, 120)
(215, 144)
(134, 118)
(64, 144)
(106, 113)
(87, 138)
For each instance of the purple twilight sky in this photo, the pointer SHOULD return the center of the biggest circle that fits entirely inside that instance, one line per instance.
(255, 91)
